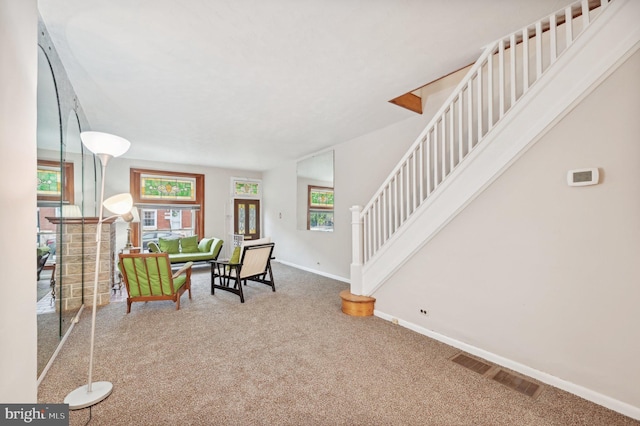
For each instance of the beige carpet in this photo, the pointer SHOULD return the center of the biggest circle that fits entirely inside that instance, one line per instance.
(286, 358)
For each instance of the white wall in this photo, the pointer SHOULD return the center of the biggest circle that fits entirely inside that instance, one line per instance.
(544, 274)
(18, 81)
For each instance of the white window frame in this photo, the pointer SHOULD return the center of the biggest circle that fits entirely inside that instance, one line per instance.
(144, 219)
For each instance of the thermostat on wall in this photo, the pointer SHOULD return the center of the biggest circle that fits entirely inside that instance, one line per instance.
(583, 177)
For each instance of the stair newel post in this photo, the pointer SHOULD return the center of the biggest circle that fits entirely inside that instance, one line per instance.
(357, 248)
(354, 303)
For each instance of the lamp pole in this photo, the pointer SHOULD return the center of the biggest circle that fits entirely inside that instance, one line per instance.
(106, 147)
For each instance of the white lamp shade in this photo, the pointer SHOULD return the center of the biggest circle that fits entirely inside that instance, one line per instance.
(119, 204)
(105, 143)
(135, 214)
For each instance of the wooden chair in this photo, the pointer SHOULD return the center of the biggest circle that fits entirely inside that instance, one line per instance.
(254, 265)
(148, 277)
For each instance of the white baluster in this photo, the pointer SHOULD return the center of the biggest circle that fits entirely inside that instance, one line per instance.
(429, 168)
(501, 94)
(421, 169)
(386, 233)
(452, 141)
(436, 159)
(525, 60)
(376, 232)
(413, 181)
(401, 195)
(460, 128)
(568, 25)
(479, 112)
(538, 49)
(552, 38)
(513, 48)
(407, 197)
(396, 205)
(585, 14)
(470, 115)
(442, 147)
(390, 209)
(490, 96)
(365, 240)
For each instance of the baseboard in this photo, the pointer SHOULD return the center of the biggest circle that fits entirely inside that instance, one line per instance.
(313, 271)
(588, 394)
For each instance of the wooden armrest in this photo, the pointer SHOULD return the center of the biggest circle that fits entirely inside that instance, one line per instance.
(181, 270)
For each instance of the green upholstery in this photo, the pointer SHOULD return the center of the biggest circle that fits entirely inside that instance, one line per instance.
(235, 256)
(205, 245)
(207, 249)
(170, 246)
(189, 244)
(148, 277)
(215, 245)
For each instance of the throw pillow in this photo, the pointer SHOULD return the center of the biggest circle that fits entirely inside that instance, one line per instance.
(169, 246)
(235, 257)
(204, 246)
(189, 244)
(153, 247)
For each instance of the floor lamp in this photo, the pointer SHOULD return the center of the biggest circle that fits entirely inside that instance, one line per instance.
(105, 146)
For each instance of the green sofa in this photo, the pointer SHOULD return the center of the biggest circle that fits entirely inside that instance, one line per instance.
(188, 249)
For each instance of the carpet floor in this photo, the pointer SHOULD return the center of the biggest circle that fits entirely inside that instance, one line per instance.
(285, 358)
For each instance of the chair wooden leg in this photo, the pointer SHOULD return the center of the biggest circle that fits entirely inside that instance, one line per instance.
(177, 301)
(128, 305)
(241, 294)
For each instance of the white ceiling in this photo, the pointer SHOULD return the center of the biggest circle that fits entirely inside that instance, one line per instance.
(249, 84)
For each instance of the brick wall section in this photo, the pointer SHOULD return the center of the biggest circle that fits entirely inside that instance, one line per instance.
(70, 259)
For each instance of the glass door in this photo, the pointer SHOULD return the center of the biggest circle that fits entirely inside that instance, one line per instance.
(247, 218)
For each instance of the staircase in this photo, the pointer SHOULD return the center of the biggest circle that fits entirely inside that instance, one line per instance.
(521, 85)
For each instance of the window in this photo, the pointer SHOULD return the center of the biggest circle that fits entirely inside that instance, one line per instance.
(320, 208)
(175, 219)
(149, 219)
(55, 182)
(171, 205)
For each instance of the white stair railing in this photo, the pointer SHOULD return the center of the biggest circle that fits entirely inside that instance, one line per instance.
(504, 73)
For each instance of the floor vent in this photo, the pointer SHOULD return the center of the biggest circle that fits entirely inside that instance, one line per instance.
(471, 363)
(511, 380)
(517, 383)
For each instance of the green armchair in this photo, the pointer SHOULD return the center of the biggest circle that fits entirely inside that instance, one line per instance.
(148, 277)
